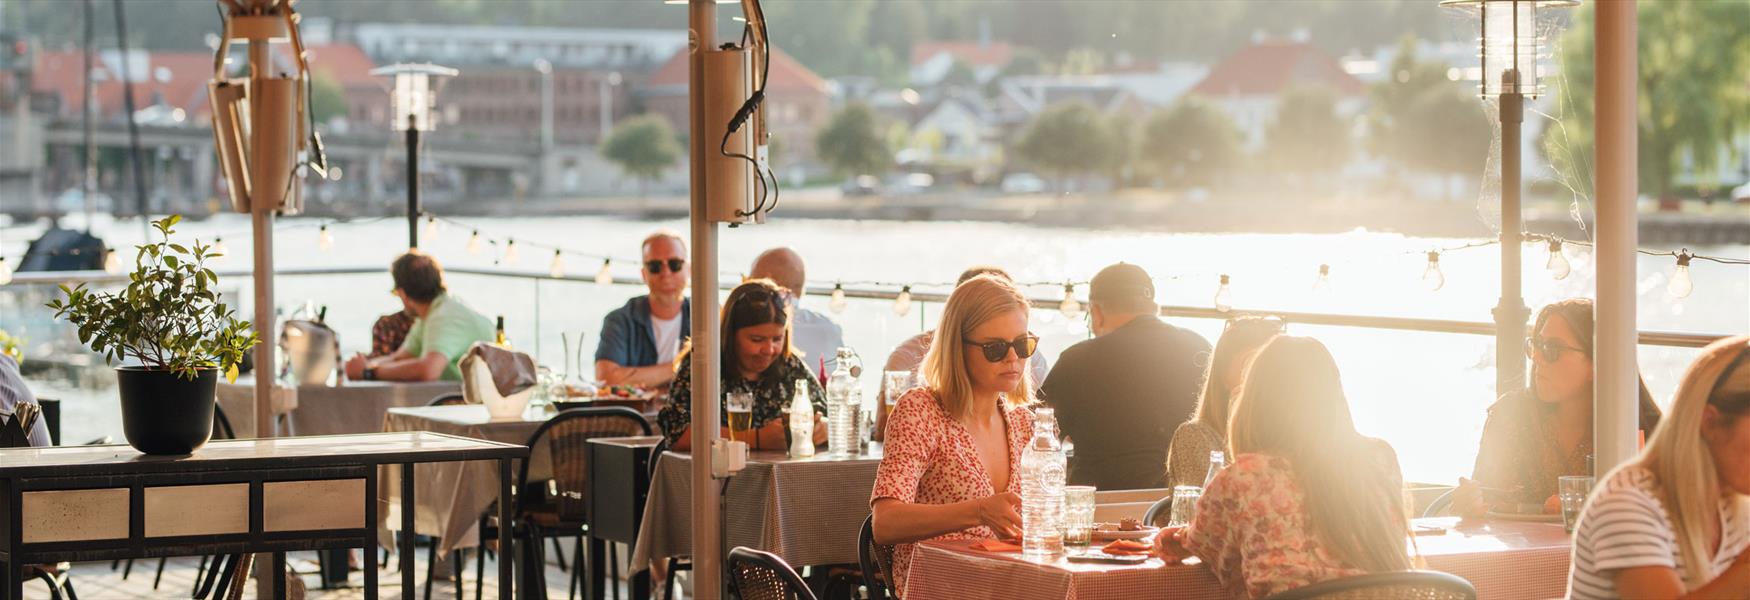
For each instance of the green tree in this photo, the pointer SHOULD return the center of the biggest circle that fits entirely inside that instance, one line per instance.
(852, 144)
(327, 98)
(1693, 98)
(1391, 120)
(1070, 139)
(960, 74)
(1423, 121)
(643, 146)
(1193, 143)
(1307, 136)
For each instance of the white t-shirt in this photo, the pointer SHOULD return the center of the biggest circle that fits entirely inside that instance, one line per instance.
(1625, 525)
(668, 338)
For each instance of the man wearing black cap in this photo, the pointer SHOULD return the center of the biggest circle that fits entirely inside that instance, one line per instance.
(1120, 395)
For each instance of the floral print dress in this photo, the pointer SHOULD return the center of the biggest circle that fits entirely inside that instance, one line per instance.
(930, 458)
(1252, 530)
(771, 395)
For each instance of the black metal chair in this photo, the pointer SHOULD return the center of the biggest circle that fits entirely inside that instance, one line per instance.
(1395, 585)
(565, 438)
(875, 560)
(448, 399)
(1159, 512)
(757, 575)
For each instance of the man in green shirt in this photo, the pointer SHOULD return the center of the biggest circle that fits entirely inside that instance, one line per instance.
(442, 332)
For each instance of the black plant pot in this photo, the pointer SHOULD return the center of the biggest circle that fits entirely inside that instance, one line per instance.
(165, 413)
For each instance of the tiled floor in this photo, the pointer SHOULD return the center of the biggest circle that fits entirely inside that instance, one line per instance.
(95, 581)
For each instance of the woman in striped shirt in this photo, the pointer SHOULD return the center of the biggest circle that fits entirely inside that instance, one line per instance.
(1675, 523)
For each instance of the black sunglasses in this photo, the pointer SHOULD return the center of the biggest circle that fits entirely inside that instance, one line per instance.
(1550, 350)
(1024, 347)
(655, 266)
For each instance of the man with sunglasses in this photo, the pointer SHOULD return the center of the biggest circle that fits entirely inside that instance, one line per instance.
(1120, 395)
(640, 340)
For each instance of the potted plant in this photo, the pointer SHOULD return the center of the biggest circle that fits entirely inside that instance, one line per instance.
(170, 318)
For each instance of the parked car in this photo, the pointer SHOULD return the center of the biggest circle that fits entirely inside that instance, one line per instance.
(1023, 183)
(73, 201)
(862, 185)
(914, 183)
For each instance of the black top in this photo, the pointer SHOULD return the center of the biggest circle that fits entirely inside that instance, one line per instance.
(1120, 396)
(772, 393)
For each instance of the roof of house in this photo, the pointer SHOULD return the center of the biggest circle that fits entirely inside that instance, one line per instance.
(178, 79)
(787, 75)
(993, 54)
(346, 63)
(1268, 68)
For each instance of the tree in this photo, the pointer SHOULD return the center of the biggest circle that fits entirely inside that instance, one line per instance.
(643, 146)
(1069, 139)
(851, 144)
(1693, 100)
(1454, 132)
(1192, 144)
(1307, 135)
(1390, 122)
(327, 98)
(960, 74)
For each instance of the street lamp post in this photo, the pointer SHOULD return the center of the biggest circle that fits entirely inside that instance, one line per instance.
(605, 106)
(413, 97)
(1509, 46)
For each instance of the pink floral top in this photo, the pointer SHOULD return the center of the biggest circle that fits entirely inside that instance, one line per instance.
(1251, 529)
(930, 459)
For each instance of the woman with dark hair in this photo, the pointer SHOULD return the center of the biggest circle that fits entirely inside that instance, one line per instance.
(1188, 455)
(1308, 499)
(1540, 433)
(757, 358)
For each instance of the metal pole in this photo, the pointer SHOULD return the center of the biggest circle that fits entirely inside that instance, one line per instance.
(412, 182)
(1616, 387)
(88, 181)
(1510, 313)
(261, 221)
(121, 40)
(707, 532)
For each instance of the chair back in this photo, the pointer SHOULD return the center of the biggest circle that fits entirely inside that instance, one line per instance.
(222, 425)
(1441, 506)
(565, 439)
(448, 399)
(874, 559)
(1159, 512)
(756, 575)
(1395, 585)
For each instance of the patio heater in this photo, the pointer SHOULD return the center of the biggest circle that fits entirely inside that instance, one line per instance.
(1509, 46)
(413, 96)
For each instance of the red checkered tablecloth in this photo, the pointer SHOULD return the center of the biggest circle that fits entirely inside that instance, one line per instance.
(1509, 561)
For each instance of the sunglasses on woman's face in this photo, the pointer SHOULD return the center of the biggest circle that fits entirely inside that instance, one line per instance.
(1024, 347)
(1547, 349)
(655, 266)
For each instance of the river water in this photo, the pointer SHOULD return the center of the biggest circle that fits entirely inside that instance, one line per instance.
(1426, 393)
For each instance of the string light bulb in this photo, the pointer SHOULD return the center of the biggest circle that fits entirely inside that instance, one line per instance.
(219, 246)
(510, 253)
(324, 239)
(1558, 262)
(112, 262)
(431, 226)
(557, 269)
(1324, 281)
(1432, 278)
(838, 303)
(5, 271)
(1681, 285)
(606, 275)
(1224, 295)
(902, 304)
(1070, 307)
(474, 242)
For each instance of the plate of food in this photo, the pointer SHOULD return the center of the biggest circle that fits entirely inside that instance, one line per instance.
(1127, 529)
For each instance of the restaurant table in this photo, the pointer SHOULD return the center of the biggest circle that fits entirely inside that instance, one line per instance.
(451, 496)
(351, 407)
(1504, 560)
(807, 510)
(85, 503)
(619, 482)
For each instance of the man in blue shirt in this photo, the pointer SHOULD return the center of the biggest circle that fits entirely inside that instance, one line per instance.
(640, 340)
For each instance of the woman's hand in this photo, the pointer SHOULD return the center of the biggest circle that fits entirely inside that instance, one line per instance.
(1170, 545)
(1001, 513)
(1467, 500)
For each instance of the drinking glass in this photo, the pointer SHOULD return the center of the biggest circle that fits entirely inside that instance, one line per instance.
(1573, 490)
(1185, 499)
(897, 384)
(740, 409)
(1078, 515)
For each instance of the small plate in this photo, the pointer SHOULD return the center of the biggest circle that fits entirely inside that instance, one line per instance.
(1147, 532)
(1525, 517)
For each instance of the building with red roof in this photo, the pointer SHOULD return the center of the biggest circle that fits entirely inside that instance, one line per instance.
(797, 103)
(1248, 83)
(931, 61)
